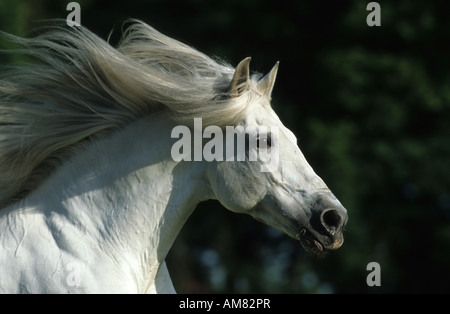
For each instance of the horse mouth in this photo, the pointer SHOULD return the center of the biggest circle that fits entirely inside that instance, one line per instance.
(312, 244)
(309, 242)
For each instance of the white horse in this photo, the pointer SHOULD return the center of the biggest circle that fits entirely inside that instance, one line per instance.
(92, 198)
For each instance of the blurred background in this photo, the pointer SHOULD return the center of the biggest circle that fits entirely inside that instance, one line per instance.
(370, 107)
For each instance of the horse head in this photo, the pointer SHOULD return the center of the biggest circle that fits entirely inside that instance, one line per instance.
(288, 195)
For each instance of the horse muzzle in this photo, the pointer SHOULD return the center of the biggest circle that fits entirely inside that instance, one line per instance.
(325, 232)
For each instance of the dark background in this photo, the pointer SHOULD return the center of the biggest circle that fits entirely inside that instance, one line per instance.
(370, 107)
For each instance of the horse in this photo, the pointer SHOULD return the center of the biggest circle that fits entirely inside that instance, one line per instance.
(91, 196)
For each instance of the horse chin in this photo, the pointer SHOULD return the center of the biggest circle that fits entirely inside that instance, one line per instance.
(313, 246)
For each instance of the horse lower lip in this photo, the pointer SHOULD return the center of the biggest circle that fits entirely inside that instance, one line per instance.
(318, 245)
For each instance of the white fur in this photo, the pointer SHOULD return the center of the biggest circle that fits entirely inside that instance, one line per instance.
(113, 212)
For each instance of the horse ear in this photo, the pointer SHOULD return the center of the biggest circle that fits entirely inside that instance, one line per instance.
(241, 77)
(265, 85)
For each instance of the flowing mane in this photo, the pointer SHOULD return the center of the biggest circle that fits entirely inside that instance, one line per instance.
(83, 88)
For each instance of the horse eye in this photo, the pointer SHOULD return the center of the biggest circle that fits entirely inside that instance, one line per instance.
(265, 140)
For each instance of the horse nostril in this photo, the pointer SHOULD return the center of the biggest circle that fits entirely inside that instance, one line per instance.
(331, 220)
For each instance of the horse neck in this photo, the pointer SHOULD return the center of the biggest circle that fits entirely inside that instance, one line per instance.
(129, 194)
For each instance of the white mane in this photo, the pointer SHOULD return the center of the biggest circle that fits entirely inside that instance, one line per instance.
(83, 88)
